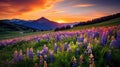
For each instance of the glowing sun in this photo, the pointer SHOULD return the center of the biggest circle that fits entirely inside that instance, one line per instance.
(60, 21)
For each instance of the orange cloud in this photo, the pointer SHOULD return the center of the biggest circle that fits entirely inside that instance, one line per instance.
(18, 7)
(55, 11)
(83, 5)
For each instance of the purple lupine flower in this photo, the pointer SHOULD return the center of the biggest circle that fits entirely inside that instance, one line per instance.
(118, 39)
(57, 38)
(51, 56)
(96, 34)
(16, 56)
(38, 53)
(118, 35)
(65, 46)
(85, 43)
(74, 64)
(61, 48)
(42, 52)
(103, 39)
(93, 35)
(47, 38)
(21, 57)
(80, 39)
(114, 44)
(110, 31)
(31, 53)
(118, 43)
(89, 51)
(89, 34)
(27, 52)
(45, 58)
(55, 48)
(38, 40)
(45, 49)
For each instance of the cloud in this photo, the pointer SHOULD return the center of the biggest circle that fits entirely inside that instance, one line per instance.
(56, 11)
(83, 5)
(18, 7)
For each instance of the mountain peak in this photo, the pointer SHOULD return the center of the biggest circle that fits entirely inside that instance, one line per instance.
(42, 19)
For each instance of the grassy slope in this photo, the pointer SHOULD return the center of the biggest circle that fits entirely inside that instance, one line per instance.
(13, 34)
(106, 23)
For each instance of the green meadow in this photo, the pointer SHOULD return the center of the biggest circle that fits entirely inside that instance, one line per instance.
(62, 59)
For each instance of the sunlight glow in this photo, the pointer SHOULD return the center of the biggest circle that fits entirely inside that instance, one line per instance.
(61, 21)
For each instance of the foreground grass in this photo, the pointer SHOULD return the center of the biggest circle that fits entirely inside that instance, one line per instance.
(8, 35)
(62, 59)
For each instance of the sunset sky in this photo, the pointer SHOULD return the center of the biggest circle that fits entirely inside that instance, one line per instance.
(58, 10)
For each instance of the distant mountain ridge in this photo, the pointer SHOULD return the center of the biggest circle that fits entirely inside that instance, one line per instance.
(39, 24)
(45, 24)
